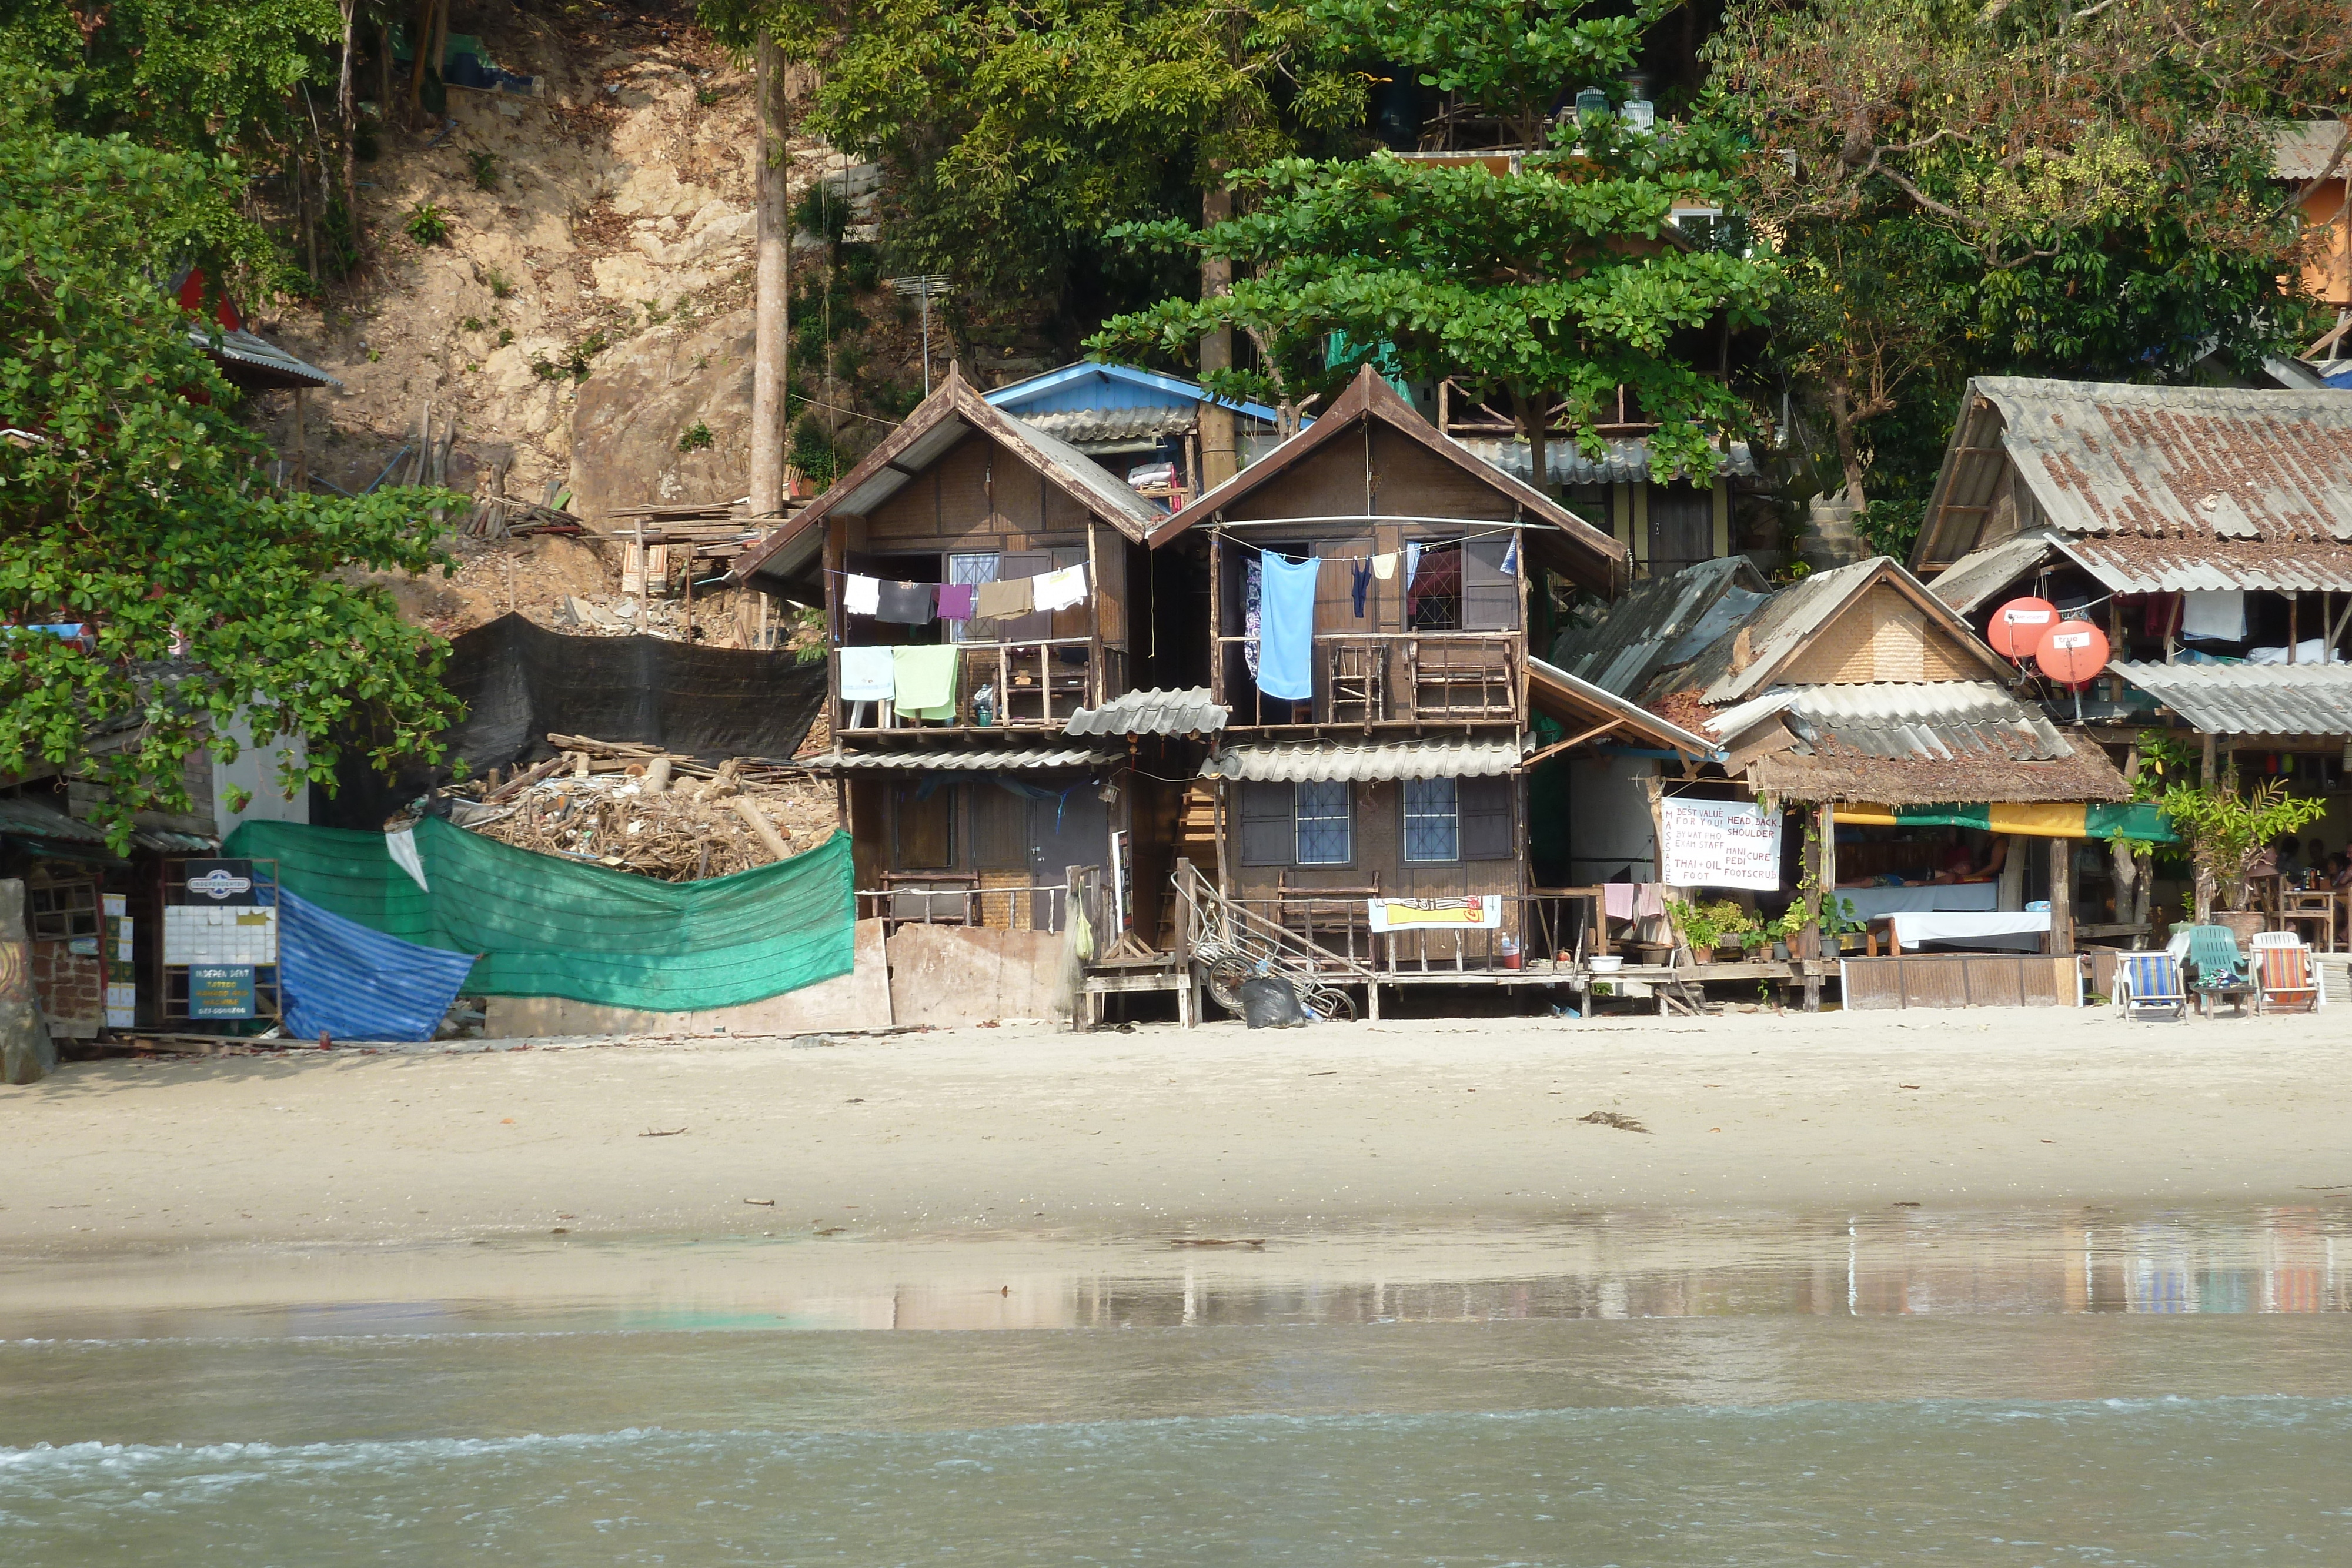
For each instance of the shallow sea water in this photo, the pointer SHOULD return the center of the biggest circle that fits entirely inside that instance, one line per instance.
(2089, 1387)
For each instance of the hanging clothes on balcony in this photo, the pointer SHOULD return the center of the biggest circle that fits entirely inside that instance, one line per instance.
(1384, 565)
(908, 603)
(924, 678)
(860, 595)
(1253, 590)
(1007, 601)
(1287, 629)
(1359, 583)
(1060, 590)
(956, 601)
(866, 675)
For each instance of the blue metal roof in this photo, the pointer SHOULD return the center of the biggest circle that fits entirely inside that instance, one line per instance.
(1088, 385)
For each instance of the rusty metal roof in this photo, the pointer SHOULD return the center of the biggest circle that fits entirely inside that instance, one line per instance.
(1664, 621)
(2251, 699)
(2181, 462)
(1975, 579)
(1909, 742)
(2131, 565)
(1320, 761)
(1187, 712)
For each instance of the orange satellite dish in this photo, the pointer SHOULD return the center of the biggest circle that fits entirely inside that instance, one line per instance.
(2019, 626)
(2072, 653)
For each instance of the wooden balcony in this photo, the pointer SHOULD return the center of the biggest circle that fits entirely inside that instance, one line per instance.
(1029, 686)
(1366, 680)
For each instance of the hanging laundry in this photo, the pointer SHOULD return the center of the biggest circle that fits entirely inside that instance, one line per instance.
(860, 595)
(1651, 900)
(1617, 900)
(2216, 613)
(1384, 566)
(1510, 567)
(908, 603)
(1411, 563)
(1004, 600)
(1287, 629)
(1060, 590)
(1252, 591)
(865, 676)
(956, 601)
(924, 679)
(1359, 582)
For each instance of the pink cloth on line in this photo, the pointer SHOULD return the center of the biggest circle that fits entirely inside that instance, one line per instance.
(1617, 900)
(1651, 900)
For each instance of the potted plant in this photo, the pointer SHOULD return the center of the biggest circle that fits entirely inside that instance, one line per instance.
(1707, 927)
(2225, 832)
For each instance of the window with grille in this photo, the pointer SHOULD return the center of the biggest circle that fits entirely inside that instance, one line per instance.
(1432, 821)
(1433, 597)
(973, 570)
(61, 911)
(1325, 832)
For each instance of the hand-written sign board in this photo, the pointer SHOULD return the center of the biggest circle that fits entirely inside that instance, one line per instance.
(220, 991)
(1718, 844)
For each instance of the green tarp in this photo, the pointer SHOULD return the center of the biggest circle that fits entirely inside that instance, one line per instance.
(2136, 819)
(546, 926)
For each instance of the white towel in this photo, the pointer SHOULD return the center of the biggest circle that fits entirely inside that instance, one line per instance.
(1384, 566)
(2218, 614)
(1060, 590)
(862, 596)
(866, 675)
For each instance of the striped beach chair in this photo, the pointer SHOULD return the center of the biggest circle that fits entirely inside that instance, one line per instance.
(2284, 977)
(2148, 985)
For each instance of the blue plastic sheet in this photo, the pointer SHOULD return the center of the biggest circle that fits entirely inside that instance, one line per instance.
(344, 980)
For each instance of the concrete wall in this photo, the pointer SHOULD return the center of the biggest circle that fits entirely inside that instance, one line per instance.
(936, 975)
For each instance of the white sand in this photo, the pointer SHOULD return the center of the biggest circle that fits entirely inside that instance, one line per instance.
(1220, 1130)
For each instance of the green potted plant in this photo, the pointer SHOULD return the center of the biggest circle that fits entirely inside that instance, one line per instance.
(1707, 927)
(2225, 832)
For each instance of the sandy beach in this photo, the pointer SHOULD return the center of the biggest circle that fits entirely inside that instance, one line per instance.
(1162, 1133)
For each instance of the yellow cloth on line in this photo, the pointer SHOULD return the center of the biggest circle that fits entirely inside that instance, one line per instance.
(923, 679)
(2042, 820)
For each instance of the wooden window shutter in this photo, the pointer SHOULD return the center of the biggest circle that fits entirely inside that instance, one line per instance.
(1486, 807)
(1263, 811)
(1490, 596)
(1025, 628)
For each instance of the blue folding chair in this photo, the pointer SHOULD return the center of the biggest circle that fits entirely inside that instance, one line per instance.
(2147, 985)
(2216, 969)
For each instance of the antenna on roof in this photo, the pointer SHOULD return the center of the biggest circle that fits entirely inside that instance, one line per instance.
(925, 287)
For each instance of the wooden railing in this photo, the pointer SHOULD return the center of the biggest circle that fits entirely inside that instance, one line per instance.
(954, 898)
(1007, 686)
(1535, 929)
(1372, 678)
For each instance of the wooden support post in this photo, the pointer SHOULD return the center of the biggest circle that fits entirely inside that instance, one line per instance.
(1097, 692)
(2062, 895)
(1822, 865)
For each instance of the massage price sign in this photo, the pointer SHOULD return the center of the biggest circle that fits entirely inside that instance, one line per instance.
(1718, 844)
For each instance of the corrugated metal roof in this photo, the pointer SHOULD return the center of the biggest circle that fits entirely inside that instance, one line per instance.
(1929, 720)
(995, 761)
(1975, 579)
(1187, 712)
(2180, 464)
(1624, 461)
(1085, 428)
(2251, 699)
(32, 819)
(1566, 697)
(1094, 385)
(2130, 565)
(1664, 621)
(1320, 761)
(244, 348)
(2303, 150)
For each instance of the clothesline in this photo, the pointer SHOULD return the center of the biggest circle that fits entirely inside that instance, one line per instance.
(920, 603)
(1352, 560)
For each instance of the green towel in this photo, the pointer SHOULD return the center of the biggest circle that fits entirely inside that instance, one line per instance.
(923, 679)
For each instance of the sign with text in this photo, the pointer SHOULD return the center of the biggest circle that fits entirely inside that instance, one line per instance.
(220, 990)
(1718, 844)
(1478, 912)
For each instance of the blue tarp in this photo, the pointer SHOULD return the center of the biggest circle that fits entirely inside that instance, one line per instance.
(346, 982)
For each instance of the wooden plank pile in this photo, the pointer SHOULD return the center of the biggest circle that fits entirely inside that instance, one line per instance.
(641, 808)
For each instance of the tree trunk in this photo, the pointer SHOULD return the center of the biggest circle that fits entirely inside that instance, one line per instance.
(1220, 460)
(770, 328)
(1532, 416)
(1840, 401)
(347, 116)
(419, 36)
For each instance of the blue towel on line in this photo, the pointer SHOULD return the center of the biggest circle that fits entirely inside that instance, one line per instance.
(343, 979)
(1286, 659)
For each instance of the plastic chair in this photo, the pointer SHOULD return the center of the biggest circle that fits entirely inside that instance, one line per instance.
(2147, 985)
(2217, 971)
(2284, 977)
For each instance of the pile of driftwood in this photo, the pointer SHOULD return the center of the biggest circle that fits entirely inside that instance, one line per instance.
(644, 810)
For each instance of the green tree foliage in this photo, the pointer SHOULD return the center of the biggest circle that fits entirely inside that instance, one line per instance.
(1015, 135)
(2025, 186)
(2226, 831)
(134, 503)
(1546, 290)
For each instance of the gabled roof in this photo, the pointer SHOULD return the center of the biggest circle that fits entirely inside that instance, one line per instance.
(1090, 385)
(2307, 148)
(2131, 468)
(942, 420)
(1577, 702)
(1751, 655)
(1664, 621)
(1370, 399)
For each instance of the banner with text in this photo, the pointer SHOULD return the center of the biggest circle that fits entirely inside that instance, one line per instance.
(1718, 844)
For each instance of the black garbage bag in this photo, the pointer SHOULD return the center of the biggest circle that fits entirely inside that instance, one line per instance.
(1268, 1002)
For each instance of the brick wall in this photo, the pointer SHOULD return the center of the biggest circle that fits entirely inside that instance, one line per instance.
(72, 989)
